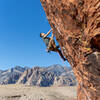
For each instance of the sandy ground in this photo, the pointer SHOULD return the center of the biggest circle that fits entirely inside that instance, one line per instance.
(22, 92)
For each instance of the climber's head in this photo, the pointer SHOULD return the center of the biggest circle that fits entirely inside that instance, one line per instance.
(42, 34)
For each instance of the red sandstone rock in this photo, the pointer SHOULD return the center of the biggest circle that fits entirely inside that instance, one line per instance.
(74, 23)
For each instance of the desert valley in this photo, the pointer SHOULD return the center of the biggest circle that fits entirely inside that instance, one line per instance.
(22, 92)
(54, 82)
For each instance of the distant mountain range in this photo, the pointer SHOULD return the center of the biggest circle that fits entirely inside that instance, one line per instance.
(12, 75)
(38, 76)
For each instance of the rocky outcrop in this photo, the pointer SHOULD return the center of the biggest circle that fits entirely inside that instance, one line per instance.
(53, 75)
(75, 23)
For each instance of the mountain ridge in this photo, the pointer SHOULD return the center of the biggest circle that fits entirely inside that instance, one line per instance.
(38, 76)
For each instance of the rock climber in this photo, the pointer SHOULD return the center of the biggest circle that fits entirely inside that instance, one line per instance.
(50, 44)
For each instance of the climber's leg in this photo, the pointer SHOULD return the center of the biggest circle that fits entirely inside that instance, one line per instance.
(60, 53)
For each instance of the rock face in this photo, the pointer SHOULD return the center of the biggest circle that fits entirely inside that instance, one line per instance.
(12, 75)
(75, 23)
(53, 75)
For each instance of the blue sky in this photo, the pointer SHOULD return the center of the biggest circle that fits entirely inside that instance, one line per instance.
(21, 22)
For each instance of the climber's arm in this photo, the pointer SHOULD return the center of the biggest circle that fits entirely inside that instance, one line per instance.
(47, 33)
(51, 37)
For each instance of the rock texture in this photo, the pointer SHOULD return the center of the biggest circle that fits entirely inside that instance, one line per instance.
(53, 75)
(75, 23)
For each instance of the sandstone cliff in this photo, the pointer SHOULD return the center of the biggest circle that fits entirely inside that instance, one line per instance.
(76, 26)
